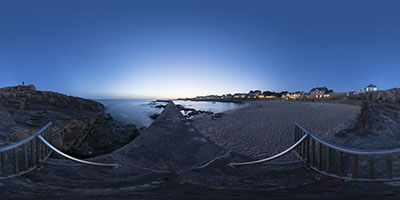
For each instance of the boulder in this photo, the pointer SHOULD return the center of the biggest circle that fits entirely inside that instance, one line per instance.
(104, 138)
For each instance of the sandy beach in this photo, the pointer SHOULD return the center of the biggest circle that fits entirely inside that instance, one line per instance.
(265, 128)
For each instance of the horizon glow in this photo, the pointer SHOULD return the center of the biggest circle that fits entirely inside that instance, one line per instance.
(171, 49)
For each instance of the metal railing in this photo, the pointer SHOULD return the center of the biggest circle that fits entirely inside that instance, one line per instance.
(346, 163)
(295, 145)
(25, 155)
(340, 162)
(75, 159)
(28, 154)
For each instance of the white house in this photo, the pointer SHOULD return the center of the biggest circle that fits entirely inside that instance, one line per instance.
(370, 88)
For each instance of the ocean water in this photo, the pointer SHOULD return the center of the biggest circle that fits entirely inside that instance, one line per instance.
(213, 106)
(138, 111)
(133, 111)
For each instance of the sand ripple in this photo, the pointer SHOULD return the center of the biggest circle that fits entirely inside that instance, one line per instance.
(265, 128)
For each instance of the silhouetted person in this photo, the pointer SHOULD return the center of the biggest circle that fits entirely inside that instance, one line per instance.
(23, 83)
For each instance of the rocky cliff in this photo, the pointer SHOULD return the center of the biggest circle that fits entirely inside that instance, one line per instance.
(80, 126)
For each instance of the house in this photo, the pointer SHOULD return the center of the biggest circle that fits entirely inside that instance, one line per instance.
(295, 95)
(319, 92)
(239, 95)
(370, 88)
(284, 95)
(269, 97)
(209, 97)
(254, 94)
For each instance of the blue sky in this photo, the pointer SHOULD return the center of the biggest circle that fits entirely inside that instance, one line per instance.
(117, 48)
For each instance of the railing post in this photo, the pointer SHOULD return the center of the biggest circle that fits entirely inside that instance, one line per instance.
(26, 161)
(44, 146)
(339, 164)
(389, 166)
(354, 172)
(37, 151)
(51, 134)
(47, 138)
(319, 155)
(307, 143)
(304, 147)
(16, 163)
(4, 164)
(312, 152)
(328, 160)
(42, 149)
(32, 153)
(297, 137)
(372, 167)
(300, 147)
(295, 134)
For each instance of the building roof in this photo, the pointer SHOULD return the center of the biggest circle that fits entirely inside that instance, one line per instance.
(319, 88)
(370, 85)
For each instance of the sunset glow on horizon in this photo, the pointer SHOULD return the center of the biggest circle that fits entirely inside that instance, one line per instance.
(171, 49)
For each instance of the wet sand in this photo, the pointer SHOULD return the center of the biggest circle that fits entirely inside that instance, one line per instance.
(265, 128)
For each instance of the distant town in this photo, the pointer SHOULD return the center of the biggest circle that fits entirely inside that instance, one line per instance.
(315, 93)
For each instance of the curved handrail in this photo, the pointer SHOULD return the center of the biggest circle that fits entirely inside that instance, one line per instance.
(272, 157)
(345, 149)
(22, 142)
(75, 159)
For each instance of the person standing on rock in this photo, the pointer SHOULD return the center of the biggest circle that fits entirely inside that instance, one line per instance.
(23, 83)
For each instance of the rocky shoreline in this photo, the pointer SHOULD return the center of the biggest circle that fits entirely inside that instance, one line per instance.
(80, 126)
(186, 112)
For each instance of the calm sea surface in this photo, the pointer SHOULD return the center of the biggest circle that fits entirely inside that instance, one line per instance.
(215, 107)
(138, 111)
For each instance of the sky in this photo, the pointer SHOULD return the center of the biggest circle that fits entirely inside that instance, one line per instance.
(169, 49)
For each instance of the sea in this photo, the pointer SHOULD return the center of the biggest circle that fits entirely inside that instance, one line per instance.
(138, 111)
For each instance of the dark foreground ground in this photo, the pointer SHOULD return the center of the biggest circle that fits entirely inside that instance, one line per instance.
(173, 160)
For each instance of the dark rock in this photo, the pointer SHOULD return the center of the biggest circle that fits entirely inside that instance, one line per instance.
(19, 88)
(142, 129)
(206, 112)
(164, 101)
(390, 96)
(154, 116)
(102, 139)
(76, 121)
(161, 106)
(189, 112)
